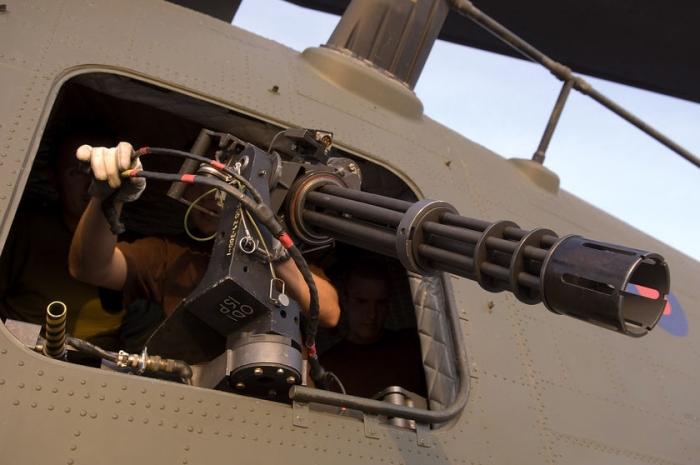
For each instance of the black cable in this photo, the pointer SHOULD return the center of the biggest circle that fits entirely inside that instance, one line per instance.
(91, 349)
(110, 212)
(151, 364)
(314, 310)
(216, 164)
(257, 209)
(333, 377)
(177, 153)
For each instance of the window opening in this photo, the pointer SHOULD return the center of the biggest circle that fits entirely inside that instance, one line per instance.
(102, 109)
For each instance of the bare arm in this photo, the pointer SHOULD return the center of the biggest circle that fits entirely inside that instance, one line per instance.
(94, 257)
(329, 308)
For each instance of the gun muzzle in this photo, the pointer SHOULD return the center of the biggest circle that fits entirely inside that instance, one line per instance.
(586, 279)
(55, 345)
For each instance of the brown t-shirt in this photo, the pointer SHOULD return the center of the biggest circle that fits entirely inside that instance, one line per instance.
(163, 269)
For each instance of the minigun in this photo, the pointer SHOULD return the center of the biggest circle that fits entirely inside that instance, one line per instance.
(242, 331)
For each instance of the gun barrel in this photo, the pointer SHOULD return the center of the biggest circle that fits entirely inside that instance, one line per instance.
(586, 279)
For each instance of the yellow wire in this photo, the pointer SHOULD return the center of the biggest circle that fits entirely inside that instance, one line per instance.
(250, 217)
(187, 215)
(262, 241)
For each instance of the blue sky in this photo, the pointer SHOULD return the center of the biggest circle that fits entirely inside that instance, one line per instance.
(504, 104)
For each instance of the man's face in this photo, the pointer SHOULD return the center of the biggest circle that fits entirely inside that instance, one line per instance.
(366, 302)
(205, 223)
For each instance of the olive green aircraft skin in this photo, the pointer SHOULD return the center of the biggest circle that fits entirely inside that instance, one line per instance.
(544, 388)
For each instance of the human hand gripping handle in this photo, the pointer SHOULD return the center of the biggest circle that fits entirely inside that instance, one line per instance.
(106, 165)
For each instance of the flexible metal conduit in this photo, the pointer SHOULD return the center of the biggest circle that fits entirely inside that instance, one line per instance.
(305, 394)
